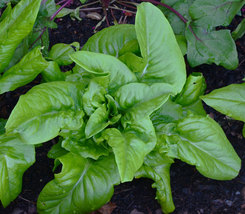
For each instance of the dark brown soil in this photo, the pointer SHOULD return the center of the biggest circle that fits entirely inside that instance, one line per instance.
(192, 193)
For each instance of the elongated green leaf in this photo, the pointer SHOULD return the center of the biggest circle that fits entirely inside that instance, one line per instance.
(53, 73)
(110, 40)
(214, 13)
(46, 109)
(15, 158)
(195, 86)
(61, 52)
(156, 167)
(200, 141)
(131, 146)
(164, 60)
(239, 31)
(18, 24)
(2, 125)
(139, 99)
(131, 46)
(24, 72)
(6, 12)
(211, 47)
(56, 151)
(98, 63)
(229, 100)
(134, 63)
(82, 186)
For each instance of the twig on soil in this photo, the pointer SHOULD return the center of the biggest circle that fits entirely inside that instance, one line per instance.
(126, 5)
(24, 199)
(89, 9)
(117, 8)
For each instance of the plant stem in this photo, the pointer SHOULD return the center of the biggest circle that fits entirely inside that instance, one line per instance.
(170, 8)
(53, 16)
(39, 37)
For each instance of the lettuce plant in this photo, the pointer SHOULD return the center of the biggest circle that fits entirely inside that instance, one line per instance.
(126, 110)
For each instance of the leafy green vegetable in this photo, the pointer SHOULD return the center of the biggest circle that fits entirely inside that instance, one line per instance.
(213, 47)
(110, 40)
(15, 158)
(44, 110)
(156, 167)
(52, 72)
(60, 53)
(101, 64)
(131, 146)
(209, 14)
(200, 141)
(2, 125)
(82, 186)
(23, 72)
(239, 31)
(229, 100)
(171, 69)
(18, 23)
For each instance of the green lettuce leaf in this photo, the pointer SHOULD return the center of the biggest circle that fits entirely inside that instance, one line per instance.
(82, 186)
(156, 167)
(98, 63)
(164, 60)
(139, 99)
(110, 40)
(86, 148)
(60, 53)
(229, 100)
(2, 125)
(15, 158)
(18, 24)
(24, 72)
(200, 141)
(53, 72)
(46, 109)
(131, 146)
(194, 87)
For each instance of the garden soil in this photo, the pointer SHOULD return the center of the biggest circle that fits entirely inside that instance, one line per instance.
(192, 193)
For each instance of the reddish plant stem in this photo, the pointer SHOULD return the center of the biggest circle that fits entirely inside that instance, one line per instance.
(60, 2)
(39, 37)
(176, 13)
(67, 3)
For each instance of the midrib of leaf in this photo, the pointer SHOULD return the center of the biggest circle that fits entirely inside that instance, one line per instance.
(70, 193)
(225, 99)
(198, 148)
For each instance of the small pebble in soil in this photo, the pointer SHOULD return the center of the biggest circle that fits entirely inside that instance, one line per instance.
(228, 203)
